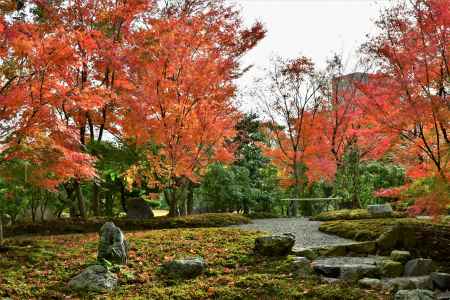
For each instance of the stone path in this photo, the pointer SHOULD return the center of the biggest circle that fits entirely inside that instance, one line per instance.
(306, 232)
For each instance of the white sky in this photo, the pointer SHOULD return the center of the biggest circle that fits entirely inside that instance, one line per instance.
(315, 28)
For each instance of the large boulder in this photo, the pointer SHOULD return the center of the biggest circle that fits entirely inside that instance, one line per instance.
(418, 267)
(414, 295)
(95, 278)
(275, 245)
(380, 209)
(138, 208)
(185, 268)
(441, 280)
(112, 245)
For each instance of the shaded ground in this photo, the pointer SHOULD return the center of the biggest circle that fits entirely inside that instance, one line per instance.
(40, 267)
(306, 232)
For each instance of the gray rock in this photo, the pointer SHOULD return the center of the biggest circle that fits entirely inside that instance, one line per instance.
(346, 268)
(418, 267)
(443, 296)
(414, 295)
(329, 280)
(112, 245)
(95, 278)
(400, 256)
(185, 268)
(441, 280)
(275, 245)
(138, 208)
(371, 283)
(408, 283)
(380, 209)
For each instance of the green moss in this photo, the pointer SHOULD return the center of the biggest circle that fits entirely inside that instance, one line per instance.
(234, 272)
(350, 214)
(69, 226)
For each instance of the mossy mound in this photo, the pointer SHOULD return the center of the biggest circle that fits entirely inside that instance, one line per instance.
(69, 226)
(351, 214)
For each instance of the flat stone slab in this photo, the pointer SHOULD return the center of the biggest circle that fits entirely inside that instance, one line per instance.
(408, 283)
(346, 268)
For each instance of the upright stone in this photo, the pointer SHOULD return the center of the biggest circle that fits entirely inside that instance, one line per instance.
(418, 267)
(441, 280)
(138, 208)
(112, 246)
(380, 209)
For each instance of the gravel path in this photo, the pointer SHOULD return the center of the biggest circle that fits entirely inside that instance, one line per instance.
(306, 232)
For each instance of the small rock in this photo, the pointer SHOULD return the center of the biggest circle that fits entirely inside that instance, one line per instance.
(408, 283)
(443, 296)
(441, 280)
(329, 280)
(185, 268)
(418, 267)
(371, 283)
(390, 268)
(301, 266)
(95, 278)
(414, 295)
(112, 245)
(380, 209)
(305, 252)
(275, 245)
(400, 256)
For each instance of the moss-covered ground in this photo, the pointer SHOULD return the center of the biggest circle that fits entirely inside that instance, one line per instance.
(367, 229)
(40, 267)
(350, 214)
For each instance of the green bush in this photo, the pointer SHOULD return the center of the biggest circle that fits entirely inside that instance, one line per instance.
(66, 226)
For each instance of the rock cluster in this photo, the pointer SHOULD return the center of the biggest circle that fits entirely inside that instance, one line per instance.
(112, 248)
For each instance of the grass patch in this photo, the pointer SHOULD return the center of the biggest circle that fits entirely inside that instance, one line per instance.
(67, 226)
(39, 268)
(350, 214)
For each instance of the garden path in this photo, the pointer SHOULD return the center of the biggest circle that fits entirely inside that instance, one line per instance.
(306, 232)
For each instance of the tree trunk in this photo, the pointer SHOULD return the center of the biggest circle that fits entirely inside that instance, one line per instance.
(172, 201)
(109, 205)
(1, 227)
(80, 199)
(95, 199)
(190, 201)
(123, 198)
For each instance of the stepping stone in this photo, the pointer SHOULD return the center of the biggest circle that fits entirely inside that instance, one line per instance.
(414, 295)
(371, 283)
(418, 267)
(346, 268)
(443, 296)
(408, 283)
